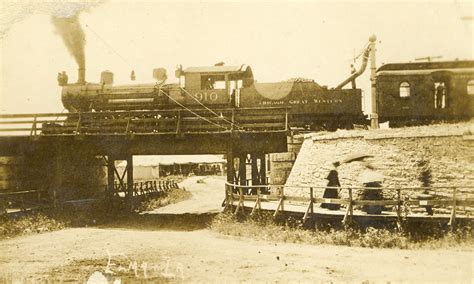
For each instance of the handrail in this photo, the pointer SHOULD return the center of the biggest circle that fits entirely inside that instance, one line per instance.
(147, 122)
(354, 187)
(398, 201)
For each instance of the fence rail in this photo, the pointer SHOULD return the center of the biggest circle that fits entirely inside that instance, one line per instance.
(146, 187)
(23, 200)
(156, 122)
(401, 199)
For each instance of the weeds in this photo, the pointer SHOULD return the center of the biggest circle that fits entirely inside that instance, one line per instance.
(264, 227)
(164, 198)
(31, 224)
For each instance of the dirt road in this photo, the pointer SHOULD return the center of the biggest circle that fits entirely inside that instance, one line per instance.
(203, 256)
(199, 255)
(207, 196)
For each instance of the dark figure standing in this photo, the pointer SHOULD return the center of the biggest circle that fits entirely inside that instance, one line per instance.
(232, 99)
(372, 194)
(332, 191)
(440, 93)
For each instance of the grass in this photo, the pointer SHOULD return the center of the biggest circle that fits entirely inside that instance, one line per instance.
(263, 227)
(29, 224)
(165, 198)
(86, 215)
(53, 219)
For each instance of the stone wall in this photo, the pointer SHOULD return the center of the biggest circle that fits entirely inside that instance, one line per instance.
(400, 155)
(282, 163)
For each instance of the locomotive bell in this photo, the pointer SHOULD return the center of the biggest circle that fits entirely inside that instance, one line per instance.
(160, 74)
(107, 77)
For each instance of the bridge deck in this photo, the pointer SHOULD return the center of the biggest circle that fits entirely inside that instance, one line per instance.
(176, 131)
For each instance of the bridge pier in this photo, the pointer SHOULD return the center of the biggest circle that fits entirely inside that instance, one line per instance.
(246, 168)
(125, 186)
(242, 174)
(130, 188)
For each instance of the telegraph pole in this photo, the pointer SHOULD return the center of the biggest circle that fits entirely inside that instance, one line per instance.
(374, 119)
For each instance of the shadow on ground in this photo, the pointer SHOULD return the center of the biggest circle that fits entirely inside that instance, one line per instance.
(172, 222)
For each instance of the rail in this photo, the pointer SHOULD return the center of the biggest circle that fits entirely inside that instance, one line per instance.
(23, 200)
(402, 199)
(149, 122)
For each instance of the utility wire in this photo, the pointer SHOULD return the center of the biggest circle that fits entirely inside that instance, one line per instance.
(109, 46)
(210, 110)
(199, 116)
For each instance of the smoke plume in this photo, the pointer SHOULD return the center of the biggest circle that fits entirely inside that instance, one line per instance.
(70, 30)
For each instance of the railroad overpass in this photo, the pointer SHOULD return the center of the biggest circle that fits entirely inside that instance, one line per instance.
(241, 134)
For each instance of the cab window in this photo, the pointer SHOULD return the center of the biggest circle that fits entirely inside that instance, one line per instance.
(212, 82)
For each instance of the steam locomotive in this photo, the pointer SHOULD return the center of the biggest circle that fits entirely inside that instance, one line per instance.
(220, 87)
(406, 93)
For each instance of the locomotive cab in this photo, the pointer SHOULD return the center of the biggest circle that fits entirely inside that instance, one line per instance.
(216, 85)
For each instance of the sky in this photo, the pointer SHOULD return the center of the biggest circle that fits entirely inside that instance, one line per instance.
(279, 40)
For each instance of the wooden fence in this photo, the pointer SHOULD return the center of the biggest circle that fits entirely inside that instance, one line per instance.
(24, 200)
(147, 187)
(401, 200)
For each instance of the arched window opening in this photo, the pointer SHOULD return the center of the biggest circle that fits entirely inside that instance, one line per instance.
(404, 90)
(470, 87)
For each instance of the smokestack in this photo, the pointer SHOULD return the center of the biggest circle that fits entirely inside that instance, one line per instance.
(70, 30)
(81, 79)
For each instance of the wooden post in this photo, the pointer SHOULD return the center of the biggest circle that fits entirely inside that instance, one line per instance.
(233, 120)
(230, 163)
(230, 190)
(130, 180)
(254, 167)
(242, 169)
(310, 208)
(282, 198)
(263, 169)
(281, 206)
(257, 203)
(241, 200)
(399, 219)
(110, 177)
(452, 220)
(348, 216)
(351, 204)
(33, 128)
(226, 196)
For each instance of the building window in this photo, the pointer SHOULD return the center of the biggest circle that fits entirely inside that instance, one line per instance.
(404, 90)
(470, 87)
